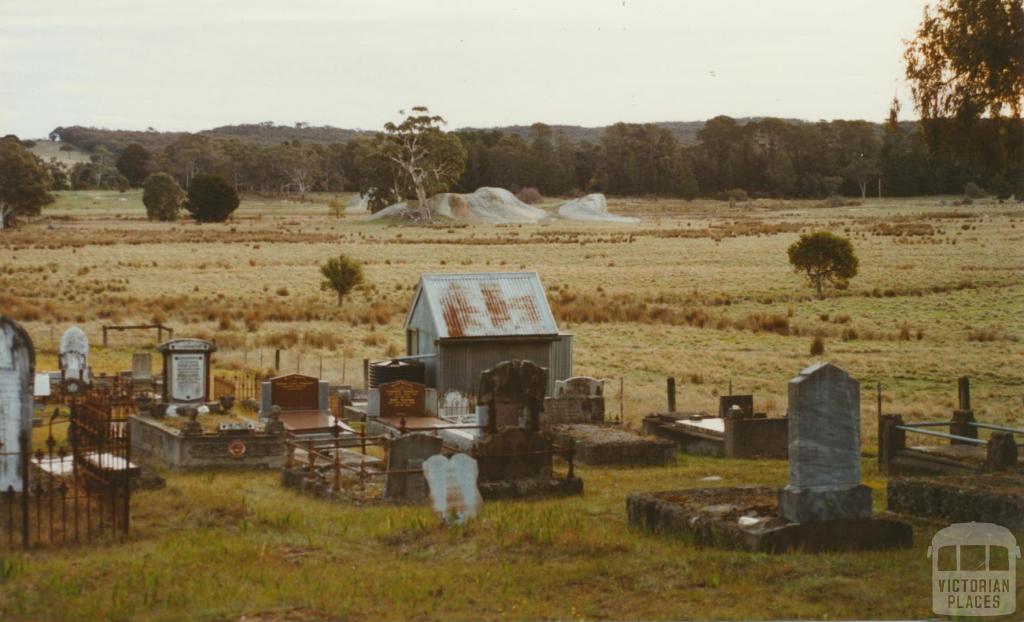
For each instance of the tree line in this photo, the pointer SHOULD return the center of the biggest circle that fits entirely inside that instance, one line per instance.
(765, 158)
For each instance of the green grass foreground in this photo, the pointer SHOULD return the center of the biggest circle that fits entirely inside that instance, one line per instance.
(232, 546)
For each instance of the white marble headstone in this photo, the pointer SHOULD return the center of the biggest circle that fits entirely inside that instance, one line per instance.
(74, 354)
(454, 495)
(17, 370)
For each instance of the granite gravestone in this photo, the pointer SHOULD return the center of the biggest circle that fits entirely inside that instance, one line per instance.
(513, 392)
(824, 448)
(74, 354)
(295, 392)
(17, 368)
(454, 494)
(408, 453)
(402, 399)
(186, 370)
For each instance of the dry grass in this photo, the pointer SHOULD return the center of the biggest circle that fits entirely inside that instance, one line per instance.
(699, 291)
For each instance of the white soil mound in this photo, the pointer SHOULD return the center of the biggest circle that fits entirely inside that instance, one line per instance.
(590, 207)
(358, 204)
(398, 210)
(492, 205)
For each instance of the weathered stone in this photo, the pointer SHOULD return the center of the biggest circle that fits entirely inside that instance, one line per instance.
(824, 448)
(142, 365)
(747, 518)
(1001, 454)
(454, 495)
(986, 498)
(514, 453)
(408, 453)
(513, 390)
(596, 444)
(17, 368)
(579, 386)
(74, 354)
(744, 402)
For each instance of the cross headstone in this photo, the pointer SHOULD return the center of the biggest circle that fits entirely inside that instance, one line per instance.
(17, 370)
(408, 453)
(454, 495)
(824, 448)
(74, 354)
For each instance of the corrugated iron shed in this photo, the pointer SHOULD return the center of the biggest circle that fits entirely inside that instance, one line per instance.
(488, 304)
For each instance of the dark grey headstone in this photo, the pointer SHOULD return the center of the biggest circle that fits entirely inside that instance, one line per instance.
(17, 368)
(409, 452)
(824, 448)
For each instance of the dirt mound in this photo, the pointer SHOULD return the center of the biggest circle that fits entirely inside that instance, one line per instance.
(492, 205)
(590, 207)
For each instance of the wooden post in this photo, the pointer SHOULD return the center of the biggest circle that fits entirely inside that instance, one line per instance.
(366, 374)
(671, 388)
(277, 359)
(621, 399)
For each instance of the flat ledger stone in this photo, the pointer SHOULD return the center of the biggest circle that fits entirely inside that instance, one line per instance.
(748, 518)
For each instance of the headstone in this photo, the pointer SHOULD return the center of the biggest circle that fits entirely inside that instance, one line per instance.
(17, 369)
(824, 448)
(579, 386)
(186, 370)
(408, 453)
(74, 354)
(142, 366)
(41, 386)
(513, 392)
(744, 402)
(513, 454)
(402, 399)
(295, 392)
(454, 495)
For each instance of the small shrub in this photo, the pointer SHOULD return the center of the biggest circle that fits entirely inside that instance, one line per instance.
(282, 291)
(849, 334)
(817, 346)
(973, 191)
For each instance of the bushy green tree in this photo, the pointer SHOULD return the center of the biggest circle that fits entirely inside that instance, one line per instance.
(825, 258)
(133, 163)
(211, 199)
(341, 274)
(24, 182)
(162, 196)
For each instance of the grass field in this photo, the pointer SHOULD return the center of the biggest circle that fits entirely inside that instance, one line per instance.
(698, 290)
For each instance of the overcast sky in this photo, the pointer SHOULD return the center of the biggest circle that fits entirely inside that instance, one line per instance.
(196, 64)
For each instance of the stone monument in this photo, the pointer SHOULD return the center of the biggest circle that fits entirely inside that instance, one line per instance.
(186, 374)
(824, 448)
(17, 368)
(74, 354)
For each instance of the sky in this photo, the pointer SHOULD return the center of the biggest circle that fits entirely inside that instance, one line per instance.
(196, 64)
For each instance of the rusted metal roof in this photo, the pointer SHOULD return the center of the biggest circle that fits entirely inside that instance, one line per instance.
(488, 304)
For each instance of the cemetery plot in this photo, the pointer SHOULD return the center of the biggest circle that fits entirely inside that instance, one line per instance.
(959, 451)
(737, 431)
(50, 493)
(824, 506)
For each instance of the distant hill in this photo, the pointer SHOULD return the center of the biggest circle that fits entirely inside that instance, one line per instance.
(89, 138)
